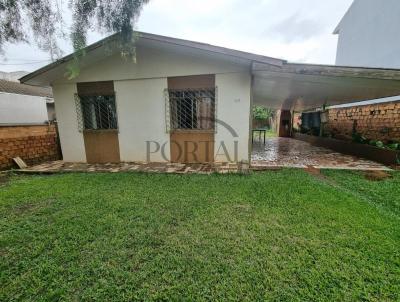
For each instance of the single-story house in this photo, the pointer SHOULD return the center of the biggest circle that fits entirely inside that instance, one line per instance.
(185, 101)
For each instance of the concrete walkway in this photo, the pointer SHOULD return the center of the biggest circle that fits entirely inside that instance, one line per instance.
(289, 152)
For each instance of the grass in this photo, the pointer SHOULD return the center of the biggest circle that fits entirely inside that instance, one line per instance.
(383, 194)
(280, 235)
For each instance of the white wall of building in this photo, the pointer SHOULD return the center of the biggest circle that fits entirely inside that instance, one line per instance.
(72, 144)
(369, 34)
(22, 109)
(140, 103)
(233, 109)
(155, 63)
(141, 119)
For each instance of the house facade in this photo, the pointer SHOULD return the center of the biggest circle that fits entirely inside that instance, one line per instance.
(145, 110)
(368, 35)
(184, 101)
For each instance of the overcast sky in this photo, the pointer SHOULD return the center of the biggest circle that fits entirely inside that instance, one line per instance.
(295, 30)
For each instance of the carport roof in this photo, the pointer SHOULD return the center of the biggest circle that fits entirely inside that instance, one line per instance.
(305, 86)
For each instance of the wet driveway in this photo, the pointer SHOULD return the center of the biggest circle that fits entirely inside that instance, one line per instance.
(289, 152)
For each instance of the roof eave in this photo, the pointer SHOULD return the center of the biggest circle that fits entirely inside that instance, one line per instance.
(163, 39)
(63, 60)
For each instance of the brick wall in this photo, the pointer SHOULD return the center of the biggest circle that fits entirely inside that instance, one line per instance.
(378, 121)
(34, 144)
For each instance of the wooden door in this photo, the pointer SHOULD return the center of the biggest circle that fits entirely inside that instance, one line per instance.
(193, 143)
(101, 146)
(192, 147)
(99, 122)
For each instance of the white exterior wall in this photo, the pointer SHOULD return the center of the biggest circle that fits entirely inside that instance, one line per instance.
(233, 108)
(155, 63)
(22, 109)
(72, 144)
(140, 102)
(141, 118)
(369, 34)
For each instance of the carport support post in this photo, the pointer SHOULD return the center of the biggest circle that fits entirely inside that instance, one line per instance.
(291, 123)
(250, 141)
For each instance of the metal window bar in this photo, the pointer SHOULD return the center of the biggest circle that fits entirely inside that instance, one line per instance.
(96, 112)
(190, 109)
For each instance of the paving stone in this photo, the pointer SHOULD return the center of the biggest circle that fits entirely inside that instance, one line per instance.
(288, 152)
(276, 153)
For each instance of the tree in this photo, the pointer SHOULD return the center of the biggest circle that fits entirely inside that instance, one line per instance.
(45, 20)
(262, 113)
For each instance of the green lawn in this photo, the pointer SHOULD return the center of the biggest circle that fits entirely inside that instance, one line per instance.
(280, 235)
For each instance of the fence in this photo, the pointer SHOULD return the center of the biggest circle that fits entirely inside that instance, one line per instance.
(33, 143)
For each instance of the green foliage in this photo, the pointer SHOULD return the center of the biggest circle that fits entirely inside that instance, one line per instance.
(394, 146)
(262, 113)
(376, 143)
(359, 138)
(45, 19)
(275, 236)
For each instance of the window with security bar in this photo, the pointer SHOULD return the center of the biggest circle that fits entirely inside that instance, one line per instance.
(96, 112)
(191, 109)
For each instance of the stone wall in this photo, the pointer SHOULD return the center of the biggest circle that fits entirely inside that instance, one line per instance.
(34, 144)
(378, 121)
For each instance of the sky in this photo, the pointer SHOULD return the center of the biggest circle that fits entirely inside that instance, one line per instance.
(294, 30)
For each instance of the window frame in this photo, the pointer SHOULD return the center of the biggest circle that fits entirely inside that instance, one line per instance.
(172, 111)
(79, 100)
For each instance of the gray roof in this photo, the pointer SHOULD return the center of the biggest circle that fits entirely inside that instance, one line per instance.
(163, 39)
(17, 88)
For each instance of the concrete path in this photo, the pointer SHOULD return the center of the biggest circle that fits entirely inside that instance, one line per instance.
(289, 152)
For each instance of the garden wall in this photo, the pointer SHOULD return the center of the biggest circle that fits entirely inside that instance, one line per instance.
(34, 144)
(377, 121)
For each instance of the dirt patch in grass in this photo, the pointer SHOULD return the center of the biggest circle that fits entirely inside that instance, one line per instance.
(313, 171)
(31, 207)
(377, 175)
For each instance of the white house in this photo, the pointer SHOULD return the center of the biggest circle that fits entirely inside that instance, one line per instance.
(369, 34)
(184, 101)
(23, 104)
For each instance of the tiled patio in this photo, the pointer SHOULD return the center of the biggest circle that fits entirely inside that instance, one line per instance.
(276, 153)
(289, 152)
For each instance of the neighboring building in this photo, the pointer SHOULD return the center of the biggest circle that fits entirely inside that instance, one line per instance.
(24, 104)
(184, 101)
(25, 128)
(369, 37)
(12, 76)
(369, 34)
